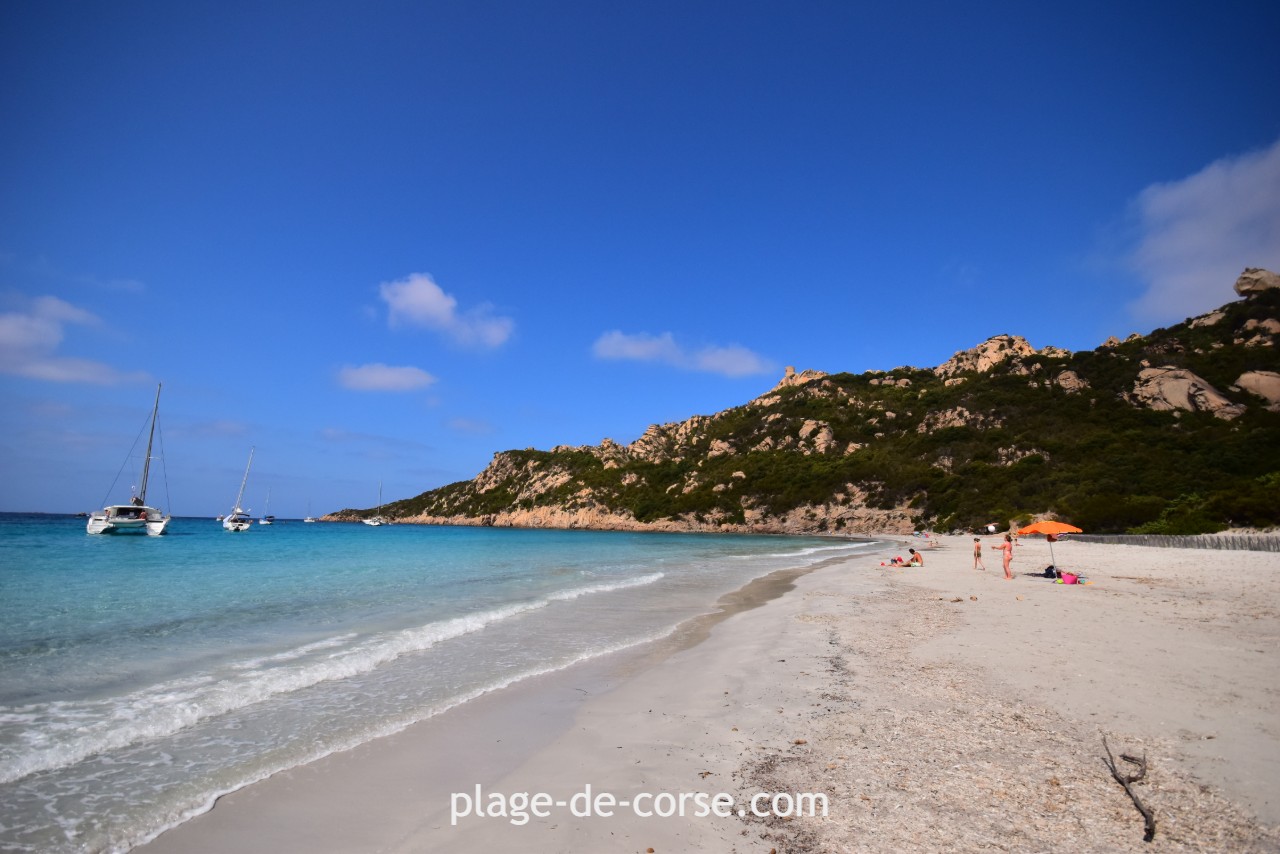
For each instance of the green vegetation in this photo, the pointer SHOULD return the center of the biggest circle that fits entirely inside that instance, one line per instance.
(1012, 442)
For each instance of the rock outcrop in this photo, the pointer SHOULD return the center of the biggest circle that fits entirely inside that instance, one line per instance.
(1255, 280)
(790, 379)
(1207, 319)
(985, 356)
(1259, 333)
(1265, 384)
(1169, 388)
(1071, 382)
(992, 353)
(847, 513)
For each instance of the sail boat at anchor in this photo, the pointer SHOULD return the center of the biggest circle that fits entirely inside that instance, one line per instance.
(238, 519)
(267, 518)
(135, 517)
(377, 519)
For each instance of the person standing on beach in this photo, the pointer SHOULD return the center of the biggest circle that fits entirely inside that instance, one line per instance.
(977, 554)
(1007, 548)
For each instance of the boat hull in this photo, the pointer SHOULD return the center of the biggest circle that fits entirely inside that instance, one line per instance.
(128, 519)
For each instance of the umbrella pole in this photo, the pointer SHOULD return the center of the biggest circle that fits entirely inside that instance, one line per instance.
(1052, 559)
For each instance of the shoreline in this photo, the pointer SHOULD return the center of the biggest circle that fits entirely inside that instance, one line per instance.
(358, 784)
(931, 720)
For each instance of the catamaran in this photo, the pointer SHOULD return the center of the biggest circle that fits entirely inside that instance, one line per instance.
(377, 519)
(309, 518)
(135, 517)
(239, 519)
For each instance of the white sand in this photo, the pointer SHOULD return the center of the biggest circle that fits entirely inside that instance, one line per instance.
(930, 724)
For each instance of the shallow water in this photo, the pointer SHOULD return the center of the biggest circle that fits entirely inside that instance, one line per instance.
(142, 677)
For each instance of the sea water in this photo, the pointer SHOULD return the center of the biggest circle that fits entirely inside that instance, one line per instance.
(143, 677)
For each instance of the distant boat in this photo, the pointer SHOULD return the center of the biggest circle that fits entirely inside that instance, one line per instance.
(238, 519)
(135, 517)
(377, 519)
(310, 518)
(267, 518)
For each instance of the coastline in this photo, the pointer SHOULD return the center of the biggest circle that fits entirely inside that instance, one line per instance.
(930, 719)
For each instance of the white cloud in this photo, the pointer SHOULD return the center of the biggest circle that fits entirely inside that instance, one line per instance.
(61, 311)
(470, 426)
(1197, 235)
(641, 347)
(380, 377)
(46, 268)
(418, 301)
(731, 361)
(30, 338)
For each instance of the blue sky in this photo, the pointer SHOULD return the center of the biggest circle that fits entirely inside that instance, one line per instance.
(381, 241)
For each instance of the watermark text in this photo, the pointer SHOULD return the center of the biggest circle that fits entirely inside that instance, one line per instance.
(519, 808)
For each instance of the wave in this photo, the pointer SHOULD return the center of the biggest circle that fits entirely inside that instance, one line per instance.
(45, 736)
(390, 728)
(606, 587)
(809, 551)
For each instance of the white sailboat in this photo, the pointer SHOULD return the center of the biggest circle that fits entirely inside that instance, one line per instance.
(135, 517)
(239, 519)
(267, 518)
(309, 518)
(377, 519)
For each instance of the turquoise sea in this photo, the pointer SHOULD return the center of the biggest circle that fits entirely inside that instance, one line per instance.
(143, 677)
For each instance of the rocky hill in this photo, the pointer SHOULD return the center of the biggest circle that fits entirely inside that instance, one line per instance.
(1176, 431)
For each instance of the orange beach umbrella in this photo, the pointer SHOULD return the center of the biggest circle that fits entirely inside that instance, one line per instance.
(1048, 526)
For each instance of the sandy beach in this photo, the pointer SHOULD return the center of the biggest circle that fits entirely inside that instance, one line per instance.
(935, 708)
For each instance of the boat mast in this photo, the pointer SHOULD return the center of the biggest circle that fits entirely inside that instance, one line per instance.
(146, 463)
(243, 481)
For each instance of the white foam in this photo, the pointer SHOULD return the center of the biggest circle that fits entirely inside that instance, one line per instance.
(61, 733)
(606, 587)
(207, 802)
(294, 654)
(813, 550)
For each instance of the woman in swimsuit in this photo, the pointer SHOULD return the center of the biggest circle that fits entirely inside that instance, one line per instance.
(1007, 548)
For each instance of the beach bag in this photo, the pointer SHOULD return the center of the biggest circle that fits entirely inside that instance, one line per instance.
(1050, 571)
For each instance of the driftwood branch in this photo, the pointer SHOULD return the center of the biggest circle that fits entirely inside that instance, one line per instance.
(1127, 780)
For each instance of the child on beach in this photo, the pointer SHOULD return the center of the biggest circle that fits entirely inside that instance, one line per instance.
(1007, 548)
(977, 554)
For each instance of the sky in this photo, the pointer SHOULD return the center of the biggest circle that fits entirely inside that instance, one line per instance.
(379, 242)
